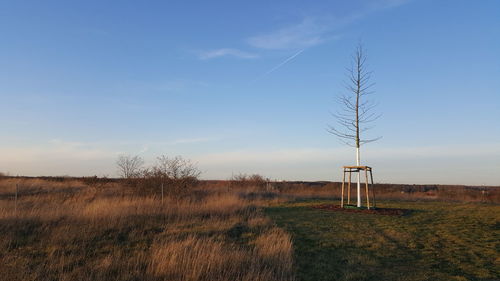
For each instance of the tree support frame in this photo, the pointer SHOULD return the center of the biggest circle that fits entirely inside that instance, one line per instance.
(368, 182)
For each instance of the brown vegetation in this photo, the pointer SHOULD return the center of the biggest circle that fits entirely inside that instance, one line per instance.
(461, 193)
(111, 229)
(71, 230)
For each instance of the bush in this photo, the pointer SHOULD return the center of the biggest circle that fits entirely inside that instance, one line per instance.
(244, 180)
(177, 175)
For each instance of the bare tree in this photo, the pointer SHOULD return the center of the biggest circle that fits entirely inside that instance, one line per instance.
(177, 173)
(176, 168)
(356, 113)
(129, 166)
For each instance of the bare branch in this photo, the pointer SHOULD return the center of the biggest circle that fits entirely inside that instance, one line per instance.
(129, 166)
(355, 111)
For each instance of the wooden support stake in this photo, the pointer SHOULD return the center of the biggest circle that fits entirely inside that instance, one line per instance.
(373, 188)
(349, 189)
(343, 183)
(367, 195)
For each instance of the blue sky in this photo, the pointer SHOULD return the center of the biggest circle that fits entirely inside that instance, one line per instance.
(248, 86)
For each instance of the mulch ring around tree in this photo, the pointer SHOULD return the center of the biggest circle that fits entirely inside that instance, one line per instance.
(353, 209)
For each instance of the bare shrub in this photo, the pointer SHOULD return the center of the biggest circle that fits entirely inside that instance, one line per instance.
(129, 166)
(244, 180)
(176, 168)
(177, 175)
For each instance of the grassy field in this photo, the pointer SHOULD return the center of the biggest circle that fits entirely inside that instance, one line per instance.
(77, 229)
(436, 241)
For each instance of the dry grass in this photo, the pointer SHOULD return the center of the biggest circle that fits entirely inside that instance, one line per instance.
(72, 231)
(457, 193)
(98, 229)
(211, 258)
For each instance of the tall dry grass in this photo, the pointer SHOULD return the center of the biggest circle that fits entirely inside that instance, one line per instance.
(211, 258)
(70, 230)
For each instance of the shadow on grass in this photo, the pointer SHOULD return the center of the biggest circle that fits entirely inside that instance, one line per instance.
(432, 242)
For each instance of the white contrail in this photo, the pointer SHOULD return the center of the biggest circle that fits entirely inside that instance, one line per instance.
(279, 65)
(284, 62)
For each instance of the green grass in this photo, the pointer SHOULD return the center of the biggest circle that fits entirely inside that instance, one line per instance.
(436, 241)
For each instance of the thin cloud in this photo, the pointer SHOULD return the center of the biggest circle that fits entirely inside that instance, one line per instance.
(305, 34)
(309, 32)
(57, 157)
(290, 155)
(412, 164)
(281, 156)
(181, 141)
(313, 31)
(226, 52)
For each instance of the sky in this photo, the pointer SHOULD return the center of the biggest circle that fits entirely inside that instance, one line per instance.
(249, 87)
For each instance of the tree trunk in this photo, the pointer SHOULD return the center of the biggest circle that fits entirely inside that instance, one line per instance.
(358, 92)
(358, 162)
